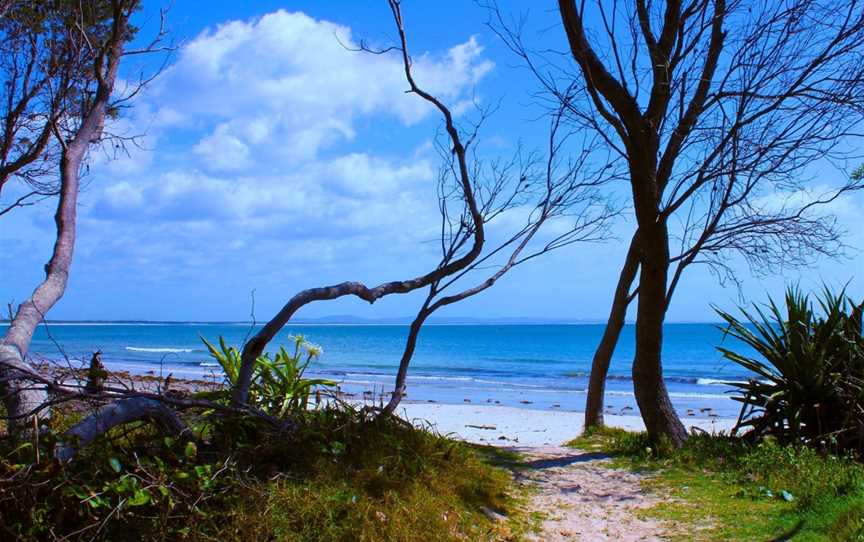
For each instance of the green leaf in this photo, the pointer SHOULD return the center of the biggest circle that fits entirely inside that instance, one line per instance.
(79, 492)
(191, 450)
(139, 498)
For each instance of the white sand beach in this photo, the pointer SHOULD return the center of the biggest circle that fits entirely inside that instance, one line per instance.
(509, 426)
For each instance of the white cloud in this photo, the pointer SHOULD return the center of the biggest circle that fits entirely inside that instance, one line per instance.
(352, 196)
(223, 151)
(237, 130)
(286, 86)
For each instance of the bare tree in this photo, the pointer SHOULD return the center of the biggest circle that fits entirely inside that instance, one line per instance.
(545, 190)
(716, 108)
(95, 34)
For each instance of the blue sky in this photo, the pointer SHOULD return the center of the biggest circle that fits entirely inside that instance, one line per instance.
(272, 159)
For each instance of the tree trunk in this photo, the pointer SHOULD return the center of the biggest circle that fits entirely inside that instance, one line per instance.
(603, 354)
(21, 396)
(401, 386)
(650, 389)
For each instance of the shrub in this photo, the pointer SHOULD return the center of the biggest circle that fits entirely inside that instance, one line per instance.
(809, 384)
(340, 476)
(278, 387)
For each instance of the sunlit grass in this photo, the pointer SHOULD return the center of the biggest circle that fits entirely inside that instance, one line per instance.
(718, 488)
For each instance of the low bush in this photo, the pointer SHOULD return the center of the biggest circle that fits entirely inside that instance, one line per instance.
(339, 476)
(278, 387)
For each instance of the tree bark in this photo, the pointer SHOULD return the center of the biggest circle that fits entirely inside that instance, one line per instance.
(603, 355)
(115, 414)
(650, 389)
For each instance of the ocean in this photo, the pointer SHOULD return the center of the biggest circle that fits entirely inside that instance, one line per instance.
(528, 366)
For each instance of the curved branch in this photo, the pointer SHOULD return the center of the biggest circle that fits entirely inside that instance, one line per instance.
(448, 266)
(113, 415)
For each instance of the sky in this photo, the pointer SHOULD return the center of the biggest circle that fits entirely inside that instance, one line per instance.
(271, 158)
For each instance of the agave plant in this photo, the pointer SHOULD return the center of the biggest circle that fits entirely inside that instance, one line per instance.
(278, 386)
(809, 369)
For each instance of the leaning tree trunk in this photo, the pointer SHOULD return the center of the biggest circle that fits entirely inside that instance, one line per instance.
(401, 386)
(22, 398)
(603, 354)
(650, 389)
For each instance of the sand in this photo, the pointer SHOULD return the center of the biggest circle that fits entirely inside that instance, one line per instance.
(581, 497)
(510, 426)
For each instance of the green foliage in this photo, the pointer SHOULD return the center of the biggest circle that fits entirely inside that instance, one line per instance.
(134, 485)
(54, 18)
(339, 476)
(810, 371)
(278, 386)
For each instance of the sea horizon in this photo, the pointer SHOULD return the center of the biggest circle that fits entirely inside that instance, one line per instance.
(357, 320)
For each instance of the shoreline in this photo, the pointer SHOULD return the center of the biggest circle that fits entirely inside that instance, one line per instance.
(478, 423)
(526, 366)
(507, 426)
(450, 409)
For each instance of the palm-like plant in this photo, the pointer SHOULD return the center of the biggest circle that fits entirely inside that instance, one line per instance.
(278, 384)
(809, 370)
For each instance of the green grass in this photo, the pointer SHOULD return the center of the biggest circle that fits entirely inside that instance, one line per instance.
(340, 476)
(718, 488)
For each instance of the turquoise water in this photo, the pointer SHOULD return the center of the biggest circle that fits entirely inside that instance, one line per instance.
(530, 366)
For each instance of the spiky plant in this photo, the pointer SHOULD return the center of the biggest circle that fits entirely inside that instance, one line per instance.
(808, 383)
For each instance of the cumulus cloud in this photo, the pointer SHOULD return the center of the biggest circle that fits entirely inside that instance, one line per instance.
(285, 86)
(355, 191)
(252, 138)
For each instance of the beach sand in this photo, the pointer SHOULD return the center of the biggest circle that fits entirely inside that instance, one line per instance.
(509, 426)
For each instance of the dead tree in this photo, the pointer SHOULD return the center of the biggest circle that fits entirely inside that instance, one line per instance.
(714, 107)
(98, 40)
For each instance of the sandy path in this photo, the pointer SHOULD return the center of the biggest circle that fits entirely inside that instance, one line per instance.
(582, 498)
